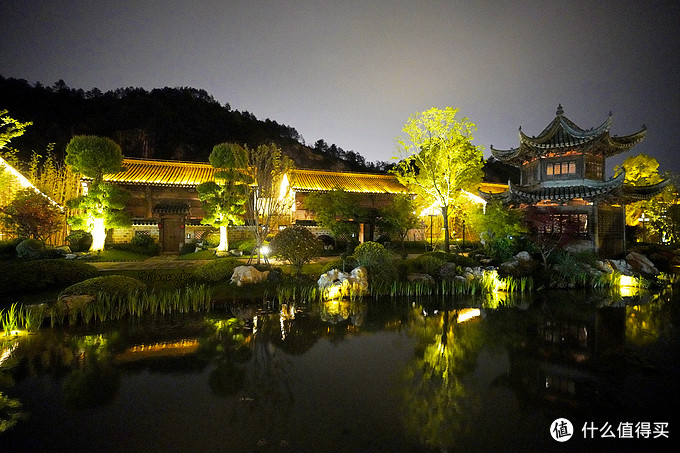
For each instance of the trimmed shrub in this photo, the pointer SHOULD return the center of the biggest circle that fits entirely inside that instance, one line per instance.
(79, 241)
(350, 263)
(297, 245)
(217, 270)
(246, 246)
(429, 264)
(8, 248)
(34, 276)
(142, 244)
(188, 247)
(377, 260)
(109, 284)
(30, 249)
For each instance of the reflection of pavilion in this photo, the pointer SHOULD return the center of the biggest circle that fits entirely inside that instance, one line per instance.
(558, 361)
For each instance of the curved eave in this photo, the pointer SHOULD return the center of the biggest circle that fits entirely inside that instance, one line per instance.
(563, 133)
(557, 191)
(620, 144)
(638, 193)
(505, 155)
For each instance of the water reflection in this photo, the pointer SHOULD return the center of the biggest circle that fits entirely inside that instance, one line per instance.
(353, 376)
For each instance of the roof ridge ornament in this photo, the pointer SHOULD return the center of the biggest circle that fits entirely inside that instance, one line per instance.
(560, 110)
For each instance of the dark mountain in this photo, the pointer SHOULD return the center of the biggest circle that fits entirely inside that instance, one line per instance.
(164, 123)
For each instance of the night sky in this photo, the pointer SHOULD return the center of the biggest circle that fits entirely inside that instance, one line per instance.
(352, 72)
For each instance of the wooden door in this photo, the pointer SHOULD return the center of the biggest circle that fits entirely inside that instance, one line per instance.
(173, 235)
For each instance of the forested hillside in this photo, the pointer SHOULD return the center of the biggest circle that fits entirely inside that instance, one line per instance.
(164, 123)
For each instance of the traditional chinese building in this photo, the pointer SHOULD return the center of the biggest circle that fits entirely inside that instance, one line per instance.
(562, 170)
(165, 204)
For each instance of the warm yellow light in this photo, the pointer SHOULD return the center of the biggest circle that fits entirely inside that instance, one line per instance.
(264, 250)
(468, 313)
(98, 234)
(334, 292)
(627, 280)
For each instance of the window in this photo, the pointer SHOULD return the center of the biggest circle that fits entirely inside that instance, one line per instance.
(574, 224)
(561, 168)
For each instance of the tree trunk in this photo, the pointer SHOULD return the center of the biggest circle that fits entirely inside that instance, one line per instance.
(224, 240)
(445, 215)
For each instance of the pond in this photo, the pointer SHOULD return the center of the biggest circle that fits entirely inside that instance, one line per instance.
(386, 375)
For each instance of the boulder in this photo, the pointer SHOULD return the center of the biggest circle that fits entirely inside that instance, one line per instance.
(621, 266)
(641, 264)
(70, 302)
(520, 265)
(448, 271)
(248, 274)
(336, 284)
(62, 250)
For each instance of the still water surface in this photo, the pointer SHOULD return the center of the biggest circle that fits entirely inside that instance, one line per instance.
(377, 376)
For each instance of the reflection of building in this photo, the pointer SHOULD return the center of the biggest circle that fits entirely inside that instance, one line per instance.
(165, 204)
(563, 173)
(559, 362)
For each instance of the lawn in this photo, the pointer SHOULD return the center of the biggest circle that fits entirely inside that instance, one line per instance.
(116, 255)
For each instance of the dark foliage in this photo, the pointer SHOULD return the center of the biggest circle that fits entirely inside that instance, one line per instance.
(164, 123)
(35, 276)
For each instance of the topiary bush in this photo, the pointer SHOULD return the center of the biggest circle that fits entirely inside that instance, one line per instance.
(35, 276)
(30, 249)
(188, 247)
(297, 245)
(429, 264)
(8, 248)
(79, 241)
(109, 284)
(142, 244)
(349, 264)
(378, 261)
(217, 270)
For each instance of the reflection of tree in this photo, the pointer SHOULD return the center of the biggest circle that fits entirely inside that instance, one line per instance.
(95, 382)
(439, 405)
(646, 323)
(225, 345)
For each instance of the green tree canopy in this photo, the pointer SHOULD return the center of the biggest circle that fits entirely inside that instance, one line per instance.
(336, 211)
(225, 198)
(439, 161)
(102, 207)
(94, 156)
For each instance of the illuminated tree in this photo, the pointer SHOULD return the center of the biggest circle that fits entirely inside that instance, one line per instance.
(32, 215)
(270, 198)
(399, 217)
(499, 229)
(10, 128)
(439, 161)
(643, 170)
(336, 211)
(102, 206)
(224, 199)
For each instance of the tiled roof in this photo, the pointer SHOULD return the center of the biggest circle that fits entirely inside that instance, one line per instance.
(563, 135)
(320, 181)
(163, 173)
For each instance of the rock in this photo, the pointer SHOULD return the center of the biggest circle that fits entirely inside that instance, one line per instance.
(63, 250)
(521, 265)
(70, 302)
(604, 266)
(248, 274)
(448, 271)
(70, 256)
(641, 264)
(340, 284)
(235, 252)
(621, 266)
(425, 278)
